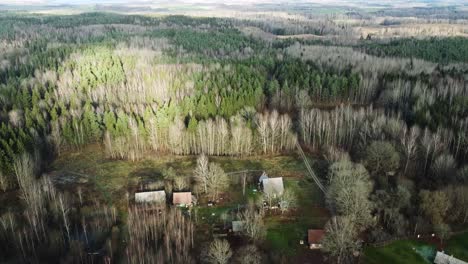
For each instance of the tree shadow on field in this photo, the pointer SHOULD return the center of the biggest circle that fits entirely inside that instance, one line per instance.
(146, 174)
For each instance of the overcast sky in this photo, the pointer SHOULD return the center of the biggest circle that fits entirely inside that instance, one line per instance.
(81, 2)
(56, 2)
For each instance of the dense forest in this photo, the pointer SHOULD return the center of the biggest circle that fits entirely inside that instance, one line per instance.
(387, 119)
(441, 50)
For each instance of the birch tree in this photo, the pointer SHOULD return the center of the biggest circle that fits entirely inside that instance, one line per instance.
(242, 140)
(273, 127)
(263, 132)
(202, 171)
(63, 205)
(177, 142)
(3, 182)
(217, 180)
(409, 143)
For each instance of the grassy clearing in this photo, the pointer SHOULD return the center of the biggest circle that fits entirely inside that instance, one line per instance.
(409, 251)
(285, 231)
(111, 180)
(458, 246)
(403, 251)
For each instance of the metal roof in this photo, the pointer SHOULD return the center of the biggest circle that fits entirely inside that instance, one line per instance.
(273, 186)
(147, 197)
(182, 198)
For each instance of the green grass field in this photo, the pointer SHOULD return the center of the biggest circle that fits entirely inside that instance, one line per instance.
(409, 251)
(458, 246)
(285, 231)
(402, 252)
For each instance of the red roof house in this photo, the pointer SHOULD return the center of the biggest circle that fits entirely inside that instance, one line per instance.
(182, 198)
(315, 238)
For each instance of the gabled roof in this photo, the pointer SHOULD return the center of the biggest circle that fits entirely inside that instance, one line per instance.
(263, 177)
(442, 258)
(315, 236)
(182, 198)
(148, 197)
(237, 226)
(273, 186)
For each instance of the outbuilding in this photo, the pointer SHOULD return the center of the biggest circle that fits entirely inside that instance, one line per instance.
(273, 186)
(182, 198)
(150, 197)
(315, 237)
(237, 226)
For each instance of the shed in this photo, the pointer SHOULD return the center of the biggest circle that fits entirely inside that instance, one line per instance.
(150, 197)
(315, 237)
(237, 226)
(263, 177)
(273, 186)
(182, 198)
(442, 258)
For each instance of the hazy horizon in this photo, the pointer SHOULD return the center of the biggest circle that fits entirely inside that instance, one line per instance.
(151, 2)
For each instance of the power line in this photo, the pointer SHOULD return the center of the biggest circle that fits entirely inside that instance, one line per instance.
(309, 168)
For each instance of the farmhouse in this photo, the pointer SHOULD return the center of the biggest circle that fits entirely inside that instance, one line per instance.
(315, 238)
(273, 186)
(150, 197)
(182, 198)
(442, 258)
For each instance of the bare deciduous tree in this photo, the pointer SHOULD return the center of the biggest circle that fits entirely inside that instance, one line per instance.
(434, 205)
(458, 196)
(219, 252)
(409, 142)
(248, 254)
(341, 239)
(349, 192)
(180, 183)
(3, 182)
(64, 209)
(201, 171)
(287, 200)
(217, 180)
(254, 226)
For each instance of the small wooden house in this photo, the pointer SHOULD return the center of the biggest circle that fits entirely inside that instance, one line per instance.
(273, 186)
(150, 197)
(314, 238)
(182, 198)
